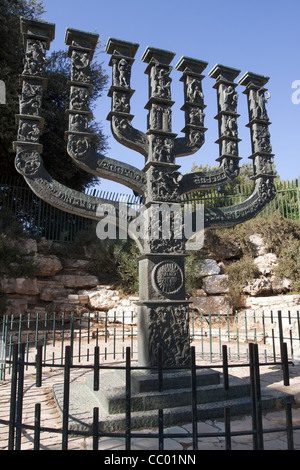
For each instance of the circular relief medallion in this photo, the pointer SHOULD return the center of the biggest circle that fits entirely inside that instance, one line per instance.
(78, 146)
(167, 277)
(28, 163)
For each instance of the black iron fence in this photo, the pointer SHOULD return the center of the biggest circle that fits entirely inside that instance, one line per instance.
(113, 331)
(17, 427)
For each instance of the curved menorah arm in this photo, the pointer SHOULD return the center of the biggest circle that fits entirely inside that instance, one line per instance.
(262, 158)
(81, 49)
(122, 57)
(263, 193)
(116, 215)
(205, 180)
(28, 162)
(105, 167)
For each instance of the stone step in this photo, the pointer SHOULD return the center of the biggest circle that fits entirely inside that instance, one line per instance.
(83, 401)
(149, 382)
(183, 414)
(112, 395)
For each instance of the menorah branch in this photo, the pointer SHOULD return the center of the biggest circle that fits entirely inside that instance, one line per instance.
(122, 58)
(29, 163)
(81, 49)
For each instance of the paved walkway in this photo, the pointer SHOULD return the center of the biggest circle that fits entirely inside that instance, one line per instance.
(271, 376)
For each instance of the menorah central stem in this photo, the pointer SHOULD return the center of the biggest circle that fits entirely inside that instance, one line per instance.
(163, 319)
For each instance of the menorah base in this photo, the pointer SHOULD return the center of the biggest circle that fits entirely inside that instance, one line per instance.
(145, 400)
(163, 325)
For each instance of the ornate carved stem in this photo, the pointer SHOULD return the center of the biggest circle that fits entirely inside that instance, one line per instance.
(262, 155)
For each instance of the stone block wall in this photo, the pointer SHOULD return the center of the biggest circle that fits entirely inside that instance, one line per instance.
(61, 284)
(64, 284)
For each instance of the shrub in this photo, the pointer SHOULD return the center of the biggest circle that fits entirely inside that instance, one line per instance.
(239, 274)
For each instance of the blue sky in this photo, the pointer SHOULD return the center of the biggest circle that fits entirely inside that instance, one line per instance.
(258, 36)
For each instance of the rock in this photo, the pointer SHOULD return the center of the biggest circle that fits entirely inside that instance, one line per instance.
(215, 284)
(77, 281)
(83, 299)
(101, 298)
(212, 304)
(126, 315)
(44, 245)
(261, 286)
(21, 286)
(62, 306)
(280, 286)
(47, 265)
(16, 306)
(49, 294)
(76, 264)
(258, 244)
(274, 303)
(200, 293)
(230, 250)
(28, 245)
(266, 263)
(45, 283)
(208, 267)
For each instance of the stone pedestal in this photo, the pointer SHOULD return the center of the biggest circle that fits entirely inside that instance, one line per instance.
(146, 400)
(163, 315)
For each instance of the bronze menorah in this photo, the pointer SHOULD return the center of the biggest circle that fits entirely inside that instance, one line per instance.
(163, 308)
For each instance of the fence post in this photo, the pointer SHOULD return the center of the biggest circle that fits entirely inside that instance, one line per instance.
(95, 428)
(194, 398)
(96, 368)
(66, 400)
(13, 396)
(227, 428)
(38, 382)
(280, 332)
(37, 426)
(225, 368)
(128, 400)
(255, 398)
(20, 397)
(285, 365)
